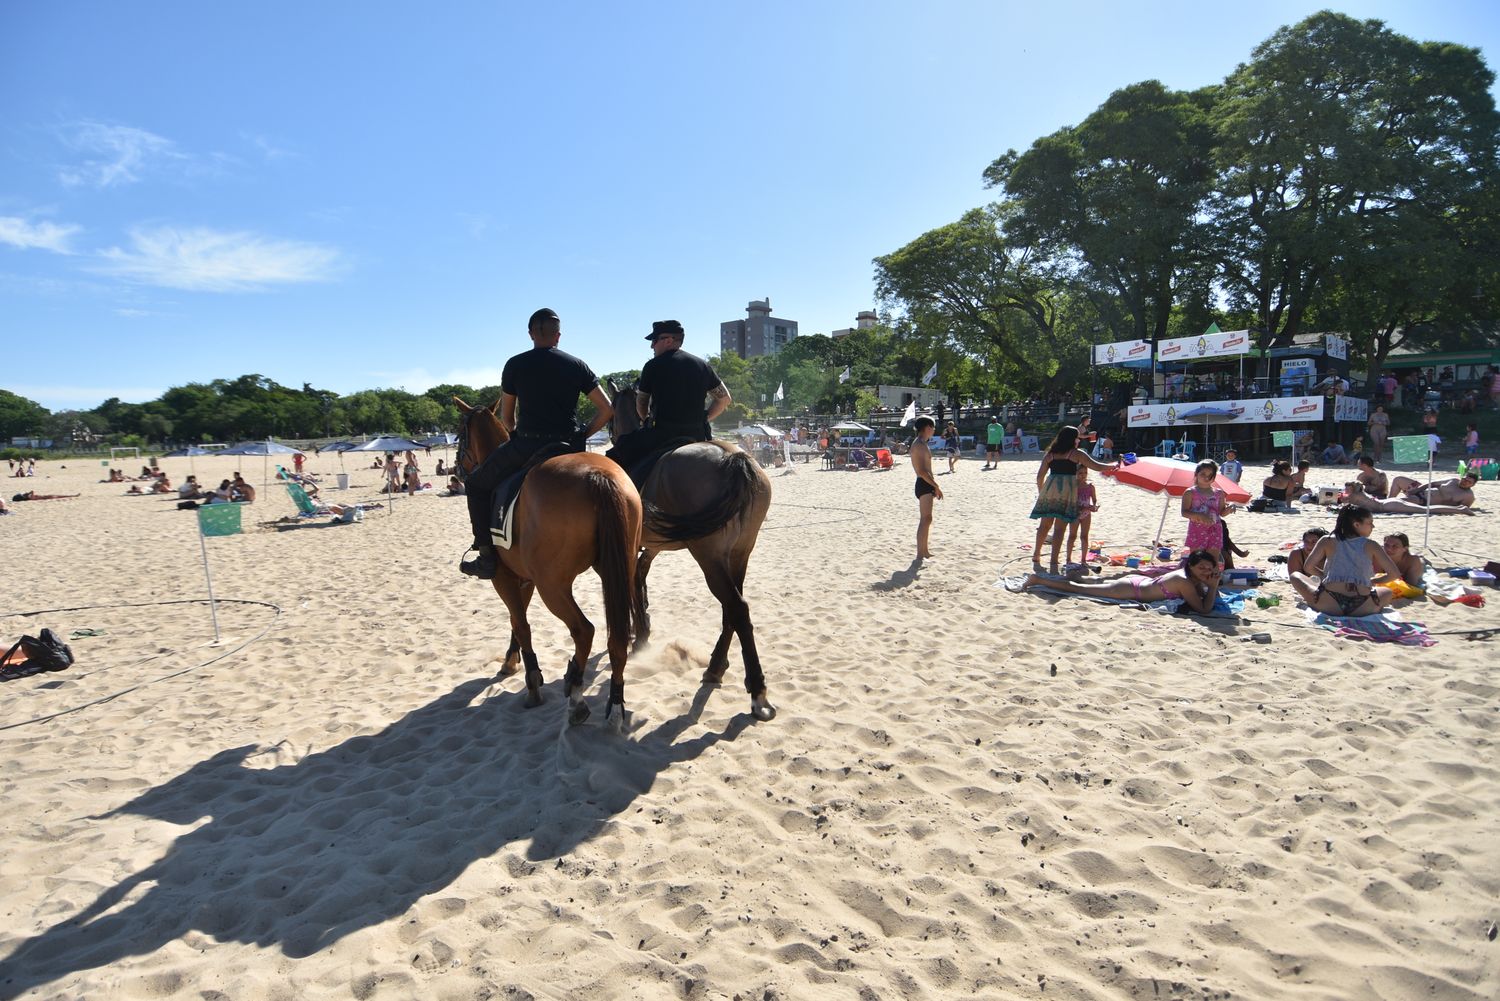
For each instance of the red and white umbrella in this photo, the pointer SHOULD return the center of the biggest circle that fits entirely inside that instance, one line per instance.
(1172, 477)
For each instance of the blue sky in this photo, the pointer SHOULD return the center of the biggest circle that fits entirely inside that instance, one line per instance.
(371, 194)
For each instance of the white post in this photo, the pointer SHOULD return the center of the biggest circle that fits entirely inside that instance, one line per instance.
(212, 606)
(1427, 498)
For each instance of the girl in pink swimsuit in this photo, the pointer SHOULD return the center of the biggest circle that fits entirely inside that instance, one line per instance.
(1204, 505)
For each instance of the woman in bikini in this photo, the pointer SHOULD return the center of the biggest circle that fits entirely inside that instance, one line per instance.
(1339, 575)
(1057, 492)
(1354, 493)
(1277, 487)
(1196, 583)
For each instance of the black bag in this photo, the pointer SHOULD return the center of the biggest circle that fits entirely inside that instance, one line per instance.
(45, 652)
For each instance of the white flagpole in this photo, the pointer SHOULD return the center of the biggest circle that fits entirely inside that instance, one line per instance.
(212, 606)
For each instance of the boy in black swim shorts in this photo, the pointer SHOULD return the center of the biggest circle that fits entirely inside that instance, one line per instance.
(926, 488)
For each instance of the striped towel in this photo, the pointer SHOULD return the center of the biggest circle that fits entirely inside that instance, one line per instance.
(1387, 627)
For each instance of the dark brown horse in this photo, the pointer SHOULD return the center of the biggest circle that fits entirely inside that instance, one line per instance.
(574, 512)
(709, 498)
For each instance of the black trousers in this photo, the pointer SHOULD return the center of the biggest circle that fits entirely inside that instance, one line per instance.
(479, 486)
(635, 446)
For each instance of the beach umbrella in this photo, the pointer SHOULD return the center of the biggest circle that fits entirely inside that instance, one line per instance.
(444, 440)
(264, 449)
(1209, 413)
(1172, 477)
(760, 429)
(388, 443)
(851, 426)
(188, 454)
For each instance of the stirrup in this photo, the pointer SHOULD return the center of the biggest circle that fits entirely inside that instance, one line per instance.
(482, 566)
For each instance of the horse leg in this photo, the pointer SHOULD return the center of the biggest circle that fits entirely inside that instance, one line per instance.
(558, 597)
(517, 596)
(513, 652)
(727, 584)
(643, 623)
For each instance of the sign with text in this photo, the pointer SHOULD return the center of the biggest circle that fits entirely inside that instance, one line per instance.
(1123, 353)
(1286, 410)
(1298, 373)
(1350, 408)
(1335, 346)
(1220, 345)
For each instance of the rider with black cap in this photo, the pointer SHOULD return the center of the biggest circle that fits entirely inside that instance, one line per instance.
(670, 393)
(546, 383)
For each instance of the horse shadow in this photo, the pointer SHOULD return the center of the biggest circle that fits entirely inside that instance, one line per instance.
(300, 855)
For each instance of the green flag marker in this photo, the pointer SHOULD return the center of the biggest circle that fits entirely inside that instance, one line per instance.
(1409, 448)
(219, 519)
(1281, 439)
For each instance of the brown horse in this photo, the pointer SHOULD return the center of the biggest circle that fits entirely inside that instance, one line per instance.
(574, 512)
(709, 498)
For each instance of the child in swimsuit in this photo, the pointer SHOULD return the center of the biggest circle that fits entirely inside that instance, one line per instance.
(1088, 503)
(1203, 506)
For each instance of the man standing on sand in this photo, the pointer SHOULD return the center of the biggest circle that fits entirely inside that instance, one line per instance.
(994, 438)
(927, 488)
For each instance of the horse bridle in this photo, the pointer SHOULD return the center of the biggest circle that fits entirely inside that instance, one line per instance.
(463, 448)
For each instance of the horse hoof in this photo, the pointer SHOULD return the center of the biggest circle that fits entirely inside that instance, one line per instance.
(615, 722)
(579, 713)
(508, 668)
(533, 699)
(762, 709)
(714, 673)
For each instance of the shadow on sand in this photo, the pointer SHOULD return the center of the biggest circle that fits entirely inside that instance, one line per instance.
(301, 854)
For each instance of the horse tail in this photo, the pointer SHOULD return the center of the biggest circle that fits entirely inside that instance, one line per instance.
(616, 554)
(738, 477)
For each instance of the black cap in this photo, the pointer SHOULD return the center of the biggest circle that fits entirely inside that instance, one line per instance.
(539, 316)
(665, 328)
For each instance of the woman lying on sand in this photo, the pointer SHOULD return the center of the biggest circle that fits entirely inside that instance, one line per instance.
(1341, 569)
(1197, 584)
(1355, 494)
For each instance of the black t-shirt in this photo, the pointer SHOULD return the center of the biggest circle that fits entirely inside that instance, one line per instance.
(546, 383)
(677, 382)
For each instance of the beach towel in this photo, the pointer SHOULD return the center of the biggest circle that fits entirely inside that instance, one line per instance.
(1387, 627)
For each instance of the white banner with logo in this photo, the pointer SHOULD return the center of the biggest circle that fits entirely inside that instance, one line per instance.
(1123, 353)
(1285, 410)
(1335, 346)
(1229, 342)
(1350, 408)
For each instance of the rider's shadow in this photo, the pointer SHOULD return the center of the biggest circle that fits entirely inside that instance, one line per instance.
(300, 855)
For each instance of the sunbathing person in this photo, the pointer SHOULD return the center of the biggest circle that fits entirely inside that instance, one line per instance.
(1298, 490)
(190, 489)
(116, 476)
(1347, 562)
(33, 495)
(1376, 483)
(162, 485)
(1277, 488)
(1355, 494)
(1398, 547)
(223, 495)
(1296, 561)
(1455, 490)
(242, 491)
(1197, 584)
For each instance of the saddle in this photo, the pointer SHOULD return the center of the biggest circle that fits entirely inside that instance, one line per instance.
(640, 471)
(501, 525)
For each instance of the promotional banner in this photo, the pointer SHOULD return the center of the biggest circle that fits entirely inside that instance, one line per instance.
(1335, 346)
(1227, 343)
(1285, 410)
(1123, 353)
(1298, 373)
(1350, 408)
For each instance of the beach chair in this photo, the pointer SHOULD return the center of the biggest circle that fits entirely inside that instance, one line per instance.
(305, 506)
(1164, 449)
(1189, 448)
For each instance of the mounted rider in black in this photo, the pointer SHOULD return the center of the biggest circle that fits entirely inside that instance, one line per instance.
(546, 383)
(671, 391)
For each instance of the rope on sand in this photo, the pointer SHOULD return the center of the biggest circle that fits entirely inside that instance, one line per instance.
(166, 677)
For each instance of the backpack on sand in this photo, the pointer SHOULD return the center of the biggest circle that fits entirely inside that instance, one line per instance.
(45, 652)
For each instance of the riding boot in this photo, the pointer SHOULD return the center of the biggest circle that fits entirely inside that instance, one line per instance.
(483, 566)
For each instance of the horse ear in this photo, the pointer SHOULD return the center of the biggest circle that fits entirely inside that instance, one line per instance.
(461, 404)
(494, 408)
(613, 389)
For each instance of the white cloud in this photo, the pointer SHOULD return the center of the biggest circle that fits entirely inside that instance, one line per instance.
(205, 260)
(42, 235)
(117, 154)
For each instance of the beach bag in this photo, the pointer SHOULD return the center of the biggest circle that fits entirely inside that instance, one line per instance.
(46, 651)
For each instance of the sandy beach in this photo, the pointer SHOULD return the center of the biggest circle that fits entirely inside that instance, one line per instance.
(967, 792)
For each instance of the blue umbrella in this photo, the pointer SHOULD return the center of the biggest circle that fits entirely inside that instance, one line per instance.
(261, 448)
(1209, 413)
(338, 446)
(388, 443)
(440, 440)
(183, 453)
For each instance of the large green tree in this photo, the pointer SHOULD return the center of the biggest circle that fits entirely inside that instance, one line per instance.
(1119, 196)
(20, 417)
(1341, 145)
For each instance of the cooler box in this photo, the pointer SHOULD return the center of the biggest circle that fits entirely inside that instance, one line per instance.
(1241, 578)
(1327, 495)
